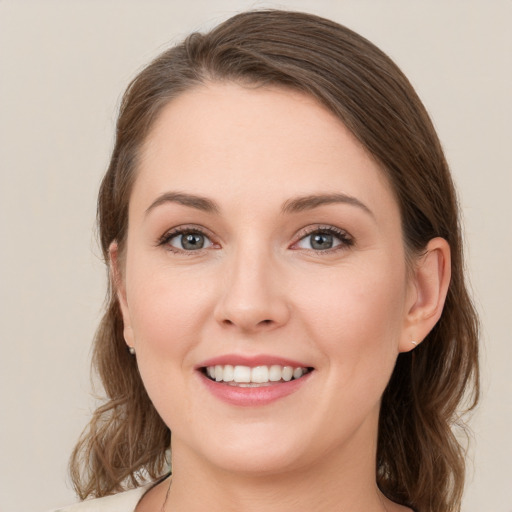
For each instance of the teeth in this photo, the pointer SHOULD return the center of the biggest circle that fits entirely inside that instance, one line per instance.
(228, 374)
(275, 373)
(241, 374)
(256, 375)
(297, 373)
(259, 374)
(287, 373)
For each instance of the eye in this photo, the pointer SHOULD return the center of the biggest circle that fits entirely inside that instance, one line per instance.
(324, 239)
(186, 240)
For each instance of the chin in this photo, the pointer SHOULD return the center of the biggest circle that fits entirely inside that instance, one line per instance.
(258, 463)
(253, 451)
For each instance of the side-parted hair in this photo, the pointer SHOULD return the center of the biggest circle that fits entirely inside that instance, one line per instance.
(420, 462)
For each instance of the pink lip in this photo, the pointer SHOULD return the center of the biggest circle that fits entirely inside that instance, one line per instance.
(256, 360)
(252, 396)
(258, 396)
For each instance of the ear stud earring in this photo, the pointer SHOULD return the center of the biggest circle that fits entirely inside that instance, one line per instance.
(415, 343)
(131, 350)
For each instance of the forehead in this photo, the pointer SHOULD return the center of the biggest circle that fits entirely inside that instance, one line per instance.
(254, 144)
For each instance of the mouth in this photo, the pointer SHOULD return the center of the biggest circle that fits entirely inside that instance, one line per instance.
(242, 376)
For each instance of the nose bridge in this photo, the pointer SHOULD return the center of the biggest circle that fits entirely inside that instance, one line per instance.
(253, 297)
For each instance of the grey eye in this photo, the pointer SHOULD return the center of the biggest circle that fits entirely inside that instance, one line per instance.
(320, 241)
(190, 241)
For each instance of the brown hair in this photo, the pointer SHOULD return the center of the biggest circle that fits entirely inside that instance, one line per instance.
(420, 463)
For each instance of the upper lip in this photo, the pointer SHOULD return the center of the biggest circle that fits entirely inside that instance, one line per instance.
(252, 361)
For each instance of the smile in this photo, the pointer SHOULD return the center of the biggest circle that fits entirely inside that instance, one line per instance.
(257, 376)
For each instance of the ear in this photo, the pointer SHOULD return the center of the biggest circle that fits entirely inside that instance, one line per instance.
(120, 289)
(427, 293)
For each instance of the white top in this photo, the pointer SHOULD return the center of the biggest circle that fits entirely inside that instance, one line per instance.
(121, 502)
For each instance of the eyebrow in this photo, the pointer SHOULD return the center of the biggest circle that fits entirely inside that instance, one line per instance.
(193, 201)
(300, 204)
(295, 205)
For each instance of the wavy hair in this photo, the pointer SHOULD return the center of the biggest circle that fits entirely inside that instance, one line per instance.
(420, 462)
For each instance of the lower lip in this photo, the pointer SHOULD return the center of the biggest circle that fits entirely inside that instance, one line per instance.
(255, 396)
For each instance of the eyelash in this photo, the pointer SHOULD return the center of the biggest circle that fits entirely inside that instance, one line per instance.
(183, 230)
(345, 239)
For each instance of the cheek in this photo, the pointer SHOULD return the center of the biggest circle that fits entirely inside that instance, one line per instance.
(165, 308)
(355, 315)
(355, 320)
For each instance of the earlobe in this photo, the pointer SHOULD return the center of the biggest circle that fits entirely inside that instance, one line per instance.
(430, 282)
(120, 290)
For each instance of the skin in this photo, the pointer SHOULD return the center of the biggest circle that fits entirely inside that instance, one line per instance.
(259, 287)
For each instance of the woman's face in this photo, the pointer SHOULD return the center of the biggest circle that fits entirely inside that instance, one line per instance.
(262, 235)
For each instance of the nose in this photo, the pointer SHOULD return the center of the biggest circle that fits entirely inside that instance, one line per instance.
(254, 295)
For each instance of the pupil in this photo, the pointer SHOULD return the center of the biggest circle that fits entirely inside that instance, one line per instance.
(192, 241)
(321, 241)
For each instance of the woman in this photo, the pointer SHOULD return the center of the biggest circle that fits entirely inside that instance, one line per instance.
(287, 292)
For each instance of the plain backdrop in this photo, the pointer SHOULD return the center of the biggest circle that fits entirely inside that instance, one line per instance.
(63, 67)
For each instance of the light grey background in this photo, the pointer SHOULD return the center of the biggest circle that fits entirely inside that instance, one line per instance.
(63, 67)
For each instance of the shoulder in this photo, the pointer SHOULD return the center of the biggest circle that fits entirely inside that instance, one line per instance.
(121, 502)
